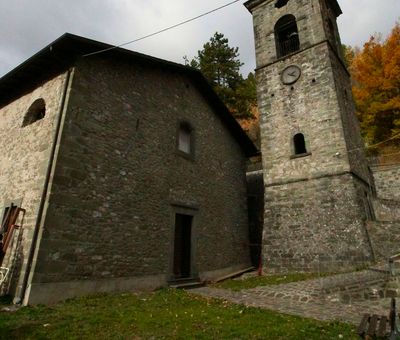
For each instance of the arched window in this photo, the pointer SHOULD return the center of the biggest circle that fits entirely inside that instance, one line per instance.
(185, 139)
(281, 3)
(35, 112)
(286, 36)
(299, 144)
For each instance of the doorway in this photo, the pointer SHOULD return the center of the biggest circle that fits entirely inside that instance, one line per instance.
(182, 246)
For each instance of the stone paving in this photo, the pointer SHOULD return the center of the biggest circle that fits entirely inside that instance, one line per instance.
(327, 287)
(305, 298)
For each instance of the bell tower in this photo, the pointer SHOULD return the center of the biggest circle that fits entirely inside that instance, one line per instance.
(317, 182)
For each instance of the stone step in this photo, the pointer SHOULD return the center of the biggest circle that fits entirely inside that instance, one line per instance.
(187, 285)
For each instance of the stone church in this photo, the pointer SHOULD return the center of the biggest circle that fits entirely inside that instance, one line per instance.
(121, 171)
(129, 171)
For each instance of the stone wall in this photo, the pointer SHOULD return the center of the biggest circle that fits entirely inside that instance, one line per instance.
(316, 202)
(25, 153)
(309, 107)
(355, 151)
(386, 210)
(315, 225)
(385, 237)
(387, 181)
(331, 131)
(119, 181)
(265, 15)
(330, 27)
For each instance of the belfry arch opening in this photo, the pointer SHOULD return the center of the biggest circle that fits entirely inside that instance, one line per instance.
(286, 36)
(281, 3)
(299, 144)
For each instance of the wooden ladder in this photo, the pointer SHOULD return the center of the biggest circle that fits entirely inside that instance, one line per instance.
(8, 228)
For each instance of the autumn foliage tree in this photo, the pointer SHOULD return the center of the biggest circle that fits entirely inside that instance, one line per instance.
(375, 71)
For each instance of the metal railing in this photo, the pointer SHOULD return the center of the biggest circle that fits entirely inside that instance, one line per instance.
(288, 46)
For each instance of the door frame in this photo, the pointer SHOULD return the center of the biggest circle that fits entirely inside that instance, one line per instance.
(192, 211)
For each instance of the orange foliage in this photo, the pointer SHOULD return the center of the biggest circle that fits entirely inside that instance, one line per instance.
(375, 70)
(252, 126)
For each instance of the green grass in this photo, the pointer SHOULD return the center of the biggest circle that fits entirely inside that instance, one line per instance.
(165, 314)
(257, 281)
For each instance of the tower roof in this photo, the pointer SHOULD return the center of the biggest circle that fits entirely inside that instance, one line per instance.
(333, 3)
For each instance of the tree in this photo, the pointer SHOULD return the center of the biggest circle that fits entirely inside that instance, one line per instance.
(246, 97)
(219, 62)
(349, 53)
(376, 87)
(220, 65)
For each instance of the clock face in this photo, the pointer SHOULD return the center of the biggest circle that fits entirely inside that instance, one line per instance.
(290, 74)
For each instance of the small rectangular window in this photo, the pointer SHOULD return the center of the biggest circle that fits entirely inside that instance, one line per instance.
(185, 140)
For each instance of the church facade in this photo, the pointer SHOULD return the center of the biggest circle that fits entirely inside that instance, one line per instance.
(123, 172)
(128, 170)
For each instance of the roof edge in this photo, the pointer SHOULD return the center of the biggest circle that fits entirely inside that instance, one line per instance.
(63, 53)
(336, 7)
(251, 4)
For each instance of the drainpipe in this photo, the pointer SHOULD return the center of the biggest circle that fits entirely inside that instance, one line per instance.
(68, 81)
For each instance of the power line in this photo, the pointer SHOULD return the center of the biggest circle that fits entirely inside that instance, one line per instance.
(383, 155)
(163, 30)
(375, 145)
(385, 141)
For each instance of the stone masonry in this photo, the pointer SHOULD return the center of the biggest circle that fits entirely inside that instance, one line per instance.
(384, 231)
(113, 213)
(387, 181)
(118, 180)
(24, 163)
(316, 203)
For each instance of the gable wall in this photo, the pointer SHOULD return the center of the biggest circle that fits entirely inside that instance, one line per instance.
(119, 181)
(24, 159)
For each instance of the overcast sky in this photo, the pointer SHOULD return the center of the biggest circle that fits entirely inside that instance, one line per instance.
(27, 26)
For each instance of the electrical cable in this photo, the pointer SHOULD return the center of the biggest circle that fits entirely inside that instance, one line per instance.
(193, 19)
(162, 30)
(374, 145)
(389, 154)
(385, 141)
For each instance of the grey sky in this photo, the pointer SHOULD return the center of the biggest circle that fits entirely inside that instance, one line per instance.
(28, 25)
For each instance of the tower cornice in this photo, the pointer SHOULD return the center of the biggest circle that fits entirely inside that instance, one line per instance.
(253, 3)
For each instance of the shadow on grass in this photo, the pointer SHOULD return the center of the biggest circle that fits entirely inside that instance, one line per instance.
(5, 300)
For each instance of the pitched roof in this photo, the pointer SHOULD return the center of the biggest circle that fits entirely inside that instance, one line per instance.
(63, 53)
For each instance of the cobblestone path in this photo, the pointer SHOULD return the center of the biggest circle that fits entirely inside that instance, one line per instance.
(298, 299)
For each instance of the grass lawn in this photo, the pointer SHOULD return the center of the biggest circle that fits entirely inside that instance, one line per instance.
(257, 281)
(165, 314)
